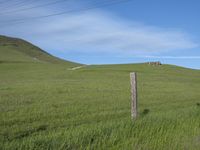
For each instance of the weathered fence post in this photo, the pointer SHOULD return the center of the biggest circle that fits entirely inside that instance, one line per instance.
(133, 77)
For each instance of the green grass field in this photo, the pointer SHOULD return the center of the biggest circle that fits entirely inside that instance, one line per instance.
(44, 105)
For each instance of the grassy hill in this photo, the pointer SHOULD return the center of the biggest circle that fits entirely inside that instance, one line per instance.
(47, 106)
(18, 50)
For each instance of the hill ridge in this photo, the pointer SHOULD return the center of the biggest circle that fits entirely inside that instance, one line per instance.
(19, 50)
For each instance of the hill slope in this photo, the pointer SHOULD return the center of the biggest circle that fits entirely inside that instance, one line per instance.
(46, 106)
(18, 50)
(50, 107)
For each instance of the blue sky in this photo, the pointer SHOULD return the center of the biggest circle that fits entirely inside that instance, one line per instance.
(130, 32)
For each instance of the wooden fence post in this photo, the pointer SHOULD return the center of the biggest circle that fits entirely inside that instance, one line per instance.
(133, 77)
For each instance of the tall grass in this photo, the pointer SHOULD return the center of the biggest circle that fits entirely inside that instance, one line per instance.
(45, 106)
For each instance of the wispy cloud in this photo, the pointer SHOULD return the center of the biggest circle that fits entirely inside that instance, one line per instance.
(99, 32)
(170, 57)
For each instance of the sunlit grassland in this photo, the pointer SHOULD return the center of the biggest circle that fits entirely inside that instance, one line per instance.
(46, 106)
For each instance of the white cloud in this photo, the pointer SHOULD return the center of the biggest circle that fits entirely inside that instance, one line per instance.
(171, 57)
(92, 32)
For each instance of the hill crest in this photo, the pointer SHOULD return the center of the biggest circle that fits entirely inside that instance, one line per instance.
(19, 50)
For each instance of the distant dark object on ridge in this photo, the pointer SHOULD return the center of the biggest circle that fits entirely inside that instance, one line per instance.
(156, 63)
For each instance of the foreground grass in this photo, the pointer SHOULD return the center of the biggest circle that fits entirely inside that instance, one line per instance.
(45, 106)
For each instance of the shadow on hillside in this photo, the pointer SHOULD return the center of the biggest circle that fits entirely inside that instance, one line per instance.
(145, 112)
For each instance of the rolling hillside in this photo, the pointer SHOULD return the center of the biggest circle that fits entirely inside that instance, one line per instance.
(47, 106)
(18, 50)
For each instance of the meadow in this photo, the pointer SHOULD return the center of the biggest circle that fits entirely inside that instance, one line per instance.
(47, 106)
